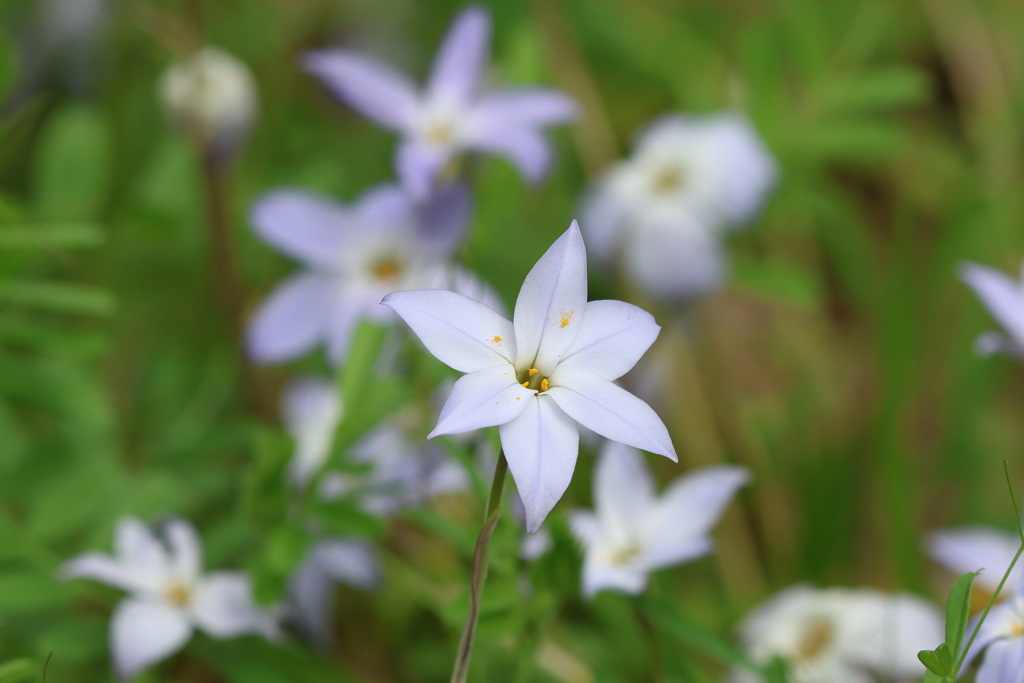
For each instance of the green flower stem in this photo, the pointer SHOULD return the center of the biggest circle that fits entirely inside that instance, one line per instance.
(481, 558)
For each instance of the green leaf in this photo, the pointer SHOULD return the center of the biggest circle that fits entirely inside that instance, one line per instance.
(366, 345)
(775, 672)
(885, 88)
(57, 297)
(20, 671)
(72, 165)
(778, 280)
(29, 593)
(957, 612)
(931, 662)
(689, 633)
(66, 236)
(932, 677)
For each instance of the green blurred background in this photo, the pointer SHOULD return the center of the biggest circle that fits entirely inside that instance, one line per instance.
(837, 364)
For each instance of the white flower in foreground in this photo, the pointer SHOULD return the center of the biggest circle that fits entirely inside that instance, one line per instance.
(352, 256)
(169, 596)
(1001, 637)
(633, 531)
(840, 635)
(212, 95)
(311, 587)
(974, 548)
(311, 409)
(451, 115)
(662, 211)
(1004, 298)
(537, 377)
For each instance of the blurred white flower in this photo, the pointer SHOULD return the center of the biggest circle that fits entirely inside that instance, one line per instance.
(1001, 637)
(633, 531)
(972, 549)
(352, 256)
(451, 114)
(661, 212)
(311, 409)
(311, 587)
(536, 545)
(840, 635)
(536, 378)
(169, 596)
(212, 96)
(405, 470)
(1004, 298)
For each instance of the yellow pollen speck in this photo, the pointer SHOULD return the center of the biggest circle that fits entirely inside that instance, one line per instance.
(543, 385)
(526, 384)
(565, 321)
(532, 371)
(519, 398)
(496, 338)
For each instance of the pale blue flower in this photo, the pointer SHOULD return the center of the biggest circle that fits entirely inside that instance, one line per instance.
(1004, 298)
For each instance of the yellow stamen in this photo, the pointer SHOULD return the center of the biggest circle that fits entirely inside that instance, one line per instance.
(532, 372)
(816, 637)
(1017, 630)
(496, 338)
(526, 384)
(178, 594)
(543, 385)
(668, 180)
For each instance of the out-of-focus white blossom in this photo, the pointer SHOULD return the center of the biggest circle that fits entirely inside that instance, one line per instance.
(660, 214)
(169, 596)
(212, 96)
(1004, 298)
(311, 409)
(633, 531)
(973, 549)
(840, 635)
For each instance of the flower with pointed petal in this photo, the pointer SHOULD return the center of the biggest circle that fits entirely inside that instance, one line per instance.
(633, 532)
(352, 256)
(452, 114)
(840, 635)
(1001, 637)
(538, 377)
(311, 410)
(1004, 298)
(169, 596)
(311, 586)
(978, 548)
(661, 212)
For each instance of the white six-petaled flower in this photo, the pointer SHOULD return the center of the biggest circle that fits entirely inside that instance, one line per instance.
(169, 596)
(1004, 298)
(539, 376)
(840, 635)
(633, 532)
(451, 114)
(661, 213)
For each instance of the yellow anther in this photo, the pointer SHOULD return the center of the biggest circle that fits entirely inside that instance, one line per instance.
(526, 384)
(543, 385)
(532, 371)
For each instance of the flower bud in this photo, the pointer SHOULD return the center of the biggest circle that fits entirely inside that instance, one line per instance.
(212, 96)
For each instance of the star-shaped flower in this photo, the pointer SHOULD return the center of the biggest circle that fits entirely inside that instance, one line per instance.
(538, 377)
(633, 532)
(662, 212)
(839, 635)
(452, 114)
(1004, 298)
(1001, 638)
(169, 596)
(352, 257)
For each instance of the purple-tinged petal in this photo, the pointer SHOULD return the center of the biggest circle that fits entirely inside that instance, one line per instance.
(1003, 662)
(551, 303)
(186, 549)
(309, 227)
(292, 320)
(598, 576)
(971, 549)
(611, 339)
(603, 219)
(541, 447)
(462, 57)
(486, 398)
(143, 633)
(1002, 296)
(444, 217)
(345, 313)
(610, 410)
(675, 258)
(522, 108)
(528, 150)
(461, 333)
(384, 207)
(368, 86)
(417, 165)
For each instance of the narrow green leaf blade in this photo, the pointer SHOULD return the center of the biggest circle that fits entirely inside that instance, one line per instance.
(957, 612)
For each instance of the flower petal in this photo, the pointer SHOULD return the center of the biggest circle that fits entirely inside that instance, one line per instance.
(461, 58)
(603, 216)
(972, 548)
(598, 576)
(138, 549)
(885, 632)
(383, 207)
(292, 320)
(311, 409)
(223, 607)
(368, 86)
(1003, 662)
(623, 491)
(1002, 296)
(346, 311)
(675, 257)
(143, 633)
(461, 333)
(522, 108)
(309, 227)
(610, 410)
(528, 150)
(105, 569)
(611, 339)
(186, 549)
(444, 218)
(417, 164)
(541, 447)
(488, 397)
(551, 303)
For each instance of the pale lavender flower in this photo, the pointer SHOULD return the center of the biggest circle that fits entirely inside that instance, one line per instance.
(633, 531)
(169, 596)
(840, 635)
(972, 549)
(1001, 638)
(536, 378)
(1004, 298)
(311, 410)
(311, 587)
(661, 213)
(452, 113)
(352, 256)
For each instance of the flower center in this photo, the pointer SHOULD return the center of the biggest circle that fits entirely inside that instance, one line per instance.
(531, 379)
(816, 637)
(1017, 629)
(439, 133)
(668, 180)
(178, 594)
(387, 268)
(624, 555)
